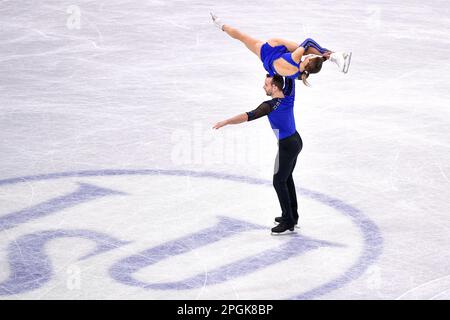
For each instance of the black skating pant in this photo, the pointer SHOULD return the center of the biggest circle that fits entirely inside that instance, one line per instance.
(288, 150)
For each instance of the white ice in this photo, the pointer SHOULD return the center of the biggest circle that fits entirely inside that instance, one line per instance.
(92, 85)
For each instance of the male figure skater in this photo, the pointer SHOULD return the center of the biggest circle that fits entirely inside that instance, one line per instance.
(280, 111)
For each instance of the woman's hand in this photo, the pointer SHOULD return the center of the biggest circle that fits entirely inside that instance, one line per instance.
(327, 55)
(220, 124)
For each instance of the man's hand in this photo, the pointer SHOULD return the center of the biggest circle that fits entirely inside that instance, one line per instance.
(220, 124)
(235, 120)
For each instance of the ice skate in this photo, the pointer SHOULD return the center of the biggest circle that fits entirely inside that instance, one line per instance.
(217, 21)
(342, 60)
(280, 219)
(348, 58)
(282, 228)
(338, 58)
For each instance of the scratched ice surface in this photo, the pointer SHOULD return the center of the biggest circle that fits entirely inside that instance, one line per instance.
(113, 185)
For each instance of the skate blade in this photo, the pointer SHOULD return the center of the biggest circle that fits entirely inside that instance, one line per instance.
(347, 65)
(285, 233)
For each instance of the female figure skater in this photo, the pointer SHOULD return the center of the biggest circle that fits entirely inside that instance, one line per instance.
(284, 57)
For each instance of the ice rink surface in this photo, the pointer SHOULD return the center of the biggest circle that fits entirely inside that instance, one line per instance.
(114, 186)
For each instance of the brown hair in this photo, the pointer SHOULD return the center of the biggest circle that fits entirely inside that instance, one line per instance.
(277, 81)
(314, 66)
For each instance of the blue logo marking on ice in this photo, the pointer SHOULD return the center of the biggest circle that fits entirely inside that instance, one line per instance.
(30, 267)
(123, 270)
(85, 193)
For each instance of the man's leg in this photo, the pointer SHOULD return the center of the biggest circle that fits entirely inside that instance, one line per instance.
(290, 150)
(290, 180)
(280, 178)
(293, 194)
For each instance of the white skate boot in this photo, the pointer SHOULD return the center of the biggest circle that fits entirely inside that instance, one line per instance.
(217, 21)
(342, 60)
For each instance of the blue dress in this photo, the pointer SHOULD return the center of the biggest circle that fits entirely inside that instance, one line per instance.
(269, 54)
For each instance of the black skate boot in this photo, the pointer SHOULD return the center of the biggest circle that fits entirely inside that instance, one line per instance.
(282, 227)
(280, 219)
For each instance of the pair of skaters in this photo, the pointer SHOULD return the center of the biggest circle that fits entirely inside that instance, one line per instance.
(285, 61)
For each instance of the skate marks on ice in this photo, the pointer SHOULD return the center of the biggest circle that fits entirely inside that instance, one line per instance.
(436, 289)
(138, 255)
(123, 270)
(29, 265)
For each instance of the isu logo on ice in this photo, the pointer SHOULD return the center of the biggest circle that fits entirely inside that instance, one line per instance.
(173, 234)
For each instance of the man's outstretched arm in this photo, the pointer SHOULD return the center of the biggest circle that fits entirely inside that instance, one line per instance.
(263, 110)
(243, 117)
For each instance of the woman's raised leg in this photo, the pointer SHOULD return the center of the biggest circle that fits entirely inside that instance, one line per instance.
(254, 45)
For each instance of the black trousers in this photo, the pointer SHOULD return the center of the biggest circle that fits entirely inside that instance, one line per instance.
(288, 150)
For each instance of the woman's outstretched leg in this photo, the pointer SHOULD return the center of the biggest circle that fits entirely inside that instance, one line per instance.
(254, 45)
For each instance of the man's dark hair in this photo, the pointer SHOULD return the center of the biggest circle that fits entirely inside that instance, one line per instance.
(277, 80)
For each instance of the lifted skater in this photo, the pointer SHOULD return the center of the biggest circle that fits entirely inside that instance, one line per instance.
(280, 111)
(284, 57)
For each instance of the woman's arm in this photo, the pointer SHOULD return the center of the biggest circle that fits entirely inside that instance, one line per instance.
(309, 46)
(312, 47)
(243, 117)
